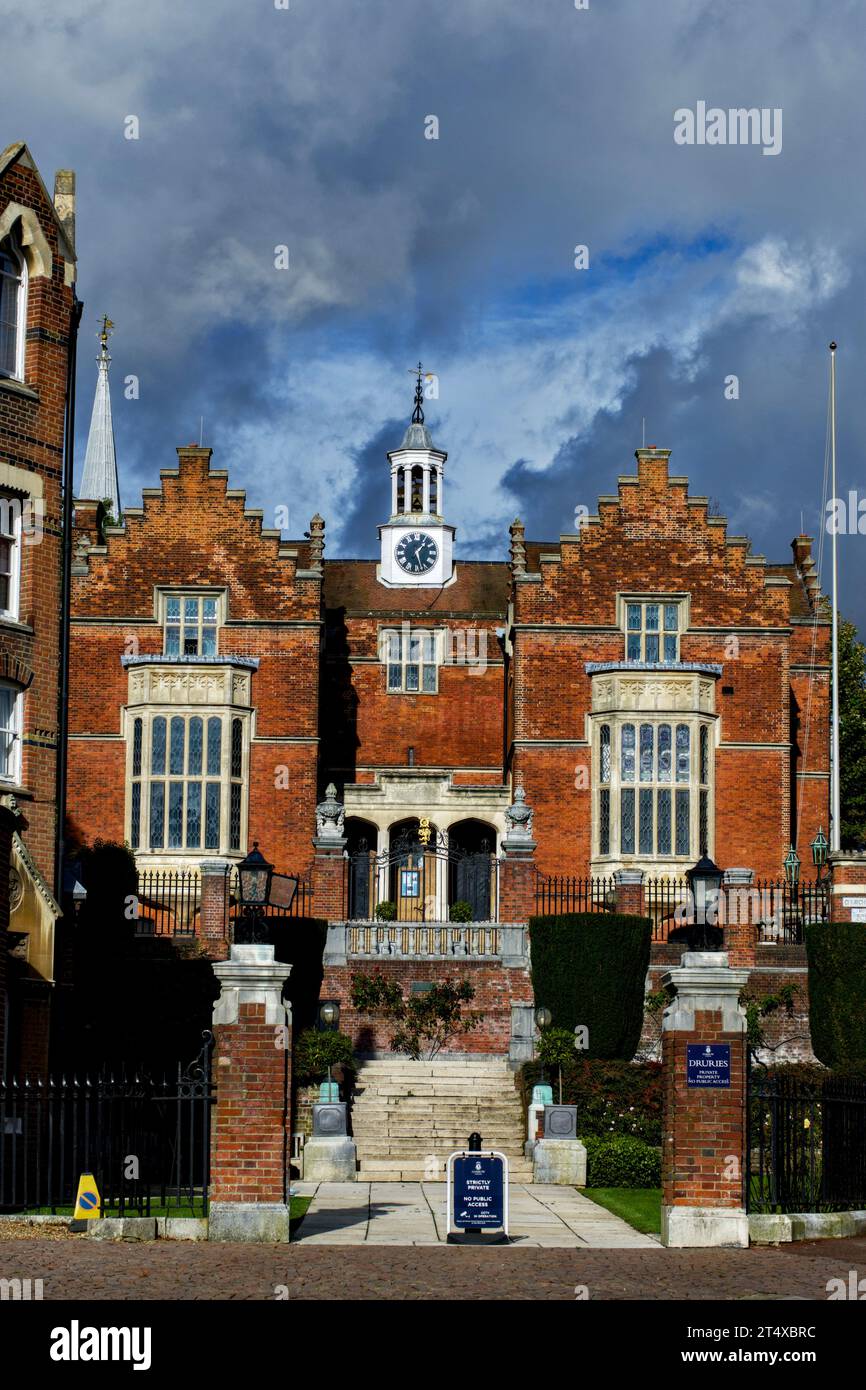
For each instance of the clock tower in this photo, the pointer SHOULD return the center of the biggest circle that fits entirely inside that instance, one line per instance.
(417, 546)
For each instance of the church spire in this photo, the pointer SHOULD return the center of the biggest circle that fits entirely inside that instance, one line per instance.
(99, 482)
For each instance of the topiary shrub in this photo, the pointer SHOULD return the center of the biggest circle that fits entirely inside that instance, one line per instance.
(386, 911)
(590, 969)
(315, 1051)
(836, 953)
(461, 912)
(621, 1161)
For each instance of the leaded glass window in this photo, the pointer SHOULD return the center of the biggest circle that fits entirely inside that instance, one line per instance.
(664, 752)
(214, 746)
(604, 820)
(212, 816)
(187, 779)
(682, 822)
(626, 823)
(411, 660)
(646, 752)
(645, 833)
(604, 746)
(683, 753)
(663, 821)
(652, 631)
(191, 625)
(627, 761)
(656, 818)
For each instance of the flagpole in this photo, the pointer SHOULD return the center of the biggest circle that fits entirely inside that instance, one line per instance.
(835, 800)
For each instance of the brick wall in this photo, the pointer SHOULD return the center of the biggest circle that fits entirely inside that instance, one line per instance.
(653, 538)
(496, 989)
(195, 531)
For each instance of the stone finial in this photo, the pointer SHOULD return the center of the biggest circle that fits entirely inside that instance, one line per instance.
(330, 815)
(518, 817)
(517, 532)
(317, 542)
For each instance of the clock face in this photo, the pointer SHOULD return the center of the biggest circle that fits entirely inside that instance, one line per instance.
(416, 552)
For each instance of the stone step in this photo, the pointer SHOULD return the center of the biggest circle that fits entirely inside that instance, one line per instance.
(389, 1172)
(419, 1153)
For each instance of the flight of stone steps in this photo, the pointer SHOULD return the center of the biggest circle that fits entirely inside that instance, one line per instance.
(409, 1116)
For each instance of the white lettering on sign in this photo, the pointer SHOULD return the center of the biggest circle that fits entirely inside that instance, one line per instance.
(858, 914)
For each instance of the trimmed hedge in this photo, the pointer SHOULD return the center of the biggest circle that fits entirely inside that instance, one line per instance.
(621, 1161)
(589, 968)
(836, 953)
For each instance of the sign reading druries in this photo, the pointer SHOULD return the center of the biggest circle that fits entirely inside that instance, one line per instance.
(708, 1064)
(477, 1192)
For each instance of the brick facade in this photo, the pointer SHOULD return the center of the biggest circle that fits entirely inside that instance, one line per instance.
(497, 988)
(33, 422)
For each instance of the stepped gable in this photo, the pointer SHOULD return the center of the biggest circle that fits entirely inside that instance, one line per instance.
(654, 529)
(201, 531)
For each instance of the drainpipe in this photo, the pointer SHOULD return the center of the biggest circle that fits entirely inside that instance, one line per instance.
(65, 592)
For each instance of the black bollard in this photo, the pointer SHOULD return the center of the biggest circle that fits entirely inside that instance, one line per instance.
(475, 1142)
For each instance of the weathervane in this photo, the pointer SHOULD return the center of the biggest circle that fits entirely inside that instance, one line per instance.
(418, 412)
(105, 331)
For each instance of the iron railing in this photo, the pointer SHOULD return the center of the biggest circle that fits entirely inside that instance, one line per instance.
(144, 1137)
(776, 910)
(556, 893)
(806, 1144)
(168, 902)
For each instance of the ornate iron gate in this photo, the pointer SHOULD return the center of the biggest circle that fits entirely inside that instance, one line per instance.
(422, 882)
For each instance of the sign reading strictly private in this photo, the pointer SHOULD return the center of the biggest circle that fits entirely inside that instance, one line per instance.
(708, 1064)
(478, 1193)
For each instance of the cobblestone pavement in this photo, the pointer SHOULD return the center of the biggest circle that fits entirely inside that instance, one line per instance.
(82, 1269)
(414, 1213)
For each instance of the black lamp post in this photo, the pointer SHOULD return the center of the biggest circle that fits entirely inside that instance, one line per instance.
(705, 885)
(254, 891)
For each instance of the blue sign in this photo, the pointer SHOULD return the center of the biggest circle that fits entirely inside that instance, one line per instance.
(709, 1064)
(478, 1192)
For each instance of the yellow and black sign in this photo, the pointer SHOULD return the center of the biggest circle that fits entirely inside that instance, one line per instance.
(87, 1200)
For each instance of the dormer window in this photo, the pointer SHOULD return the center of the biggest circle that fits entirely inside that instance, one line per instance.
(13, 308)
(652, 630)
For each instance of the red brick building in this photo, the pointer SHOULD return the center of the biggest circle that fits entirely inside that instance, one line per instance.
(657, 690)
(38, 323)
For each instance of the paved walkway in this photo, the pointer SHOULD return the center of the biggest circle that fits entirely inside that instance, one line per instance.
(394, 1213)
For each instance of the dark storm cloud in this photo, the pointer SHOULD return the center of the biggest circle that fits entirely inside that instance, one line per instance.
(305, 127)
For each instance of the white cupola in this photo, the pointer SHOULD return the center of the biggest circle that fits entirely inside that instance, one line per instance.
(416, 544)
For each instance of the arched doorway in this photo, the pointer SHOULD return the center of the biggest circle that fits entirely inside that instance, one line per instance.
(361, 843)
(472, 867)
(417, 884)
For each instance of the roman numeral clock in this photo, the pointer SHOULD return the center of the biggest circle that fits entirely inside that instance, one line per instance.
(416, 552)
(416, 543)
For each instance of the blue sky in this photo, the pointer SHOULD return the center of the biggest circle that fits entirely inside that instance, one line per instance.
(304, 126)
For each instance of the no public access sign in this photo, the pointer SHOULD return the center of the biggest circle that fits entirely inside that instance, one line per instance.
(708, 1064)
(478, 1191)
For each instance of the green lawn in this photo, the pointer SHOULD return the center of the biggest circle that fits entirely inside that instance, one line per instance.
(156, 1209)
(641, 1207)
(297, 1212)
